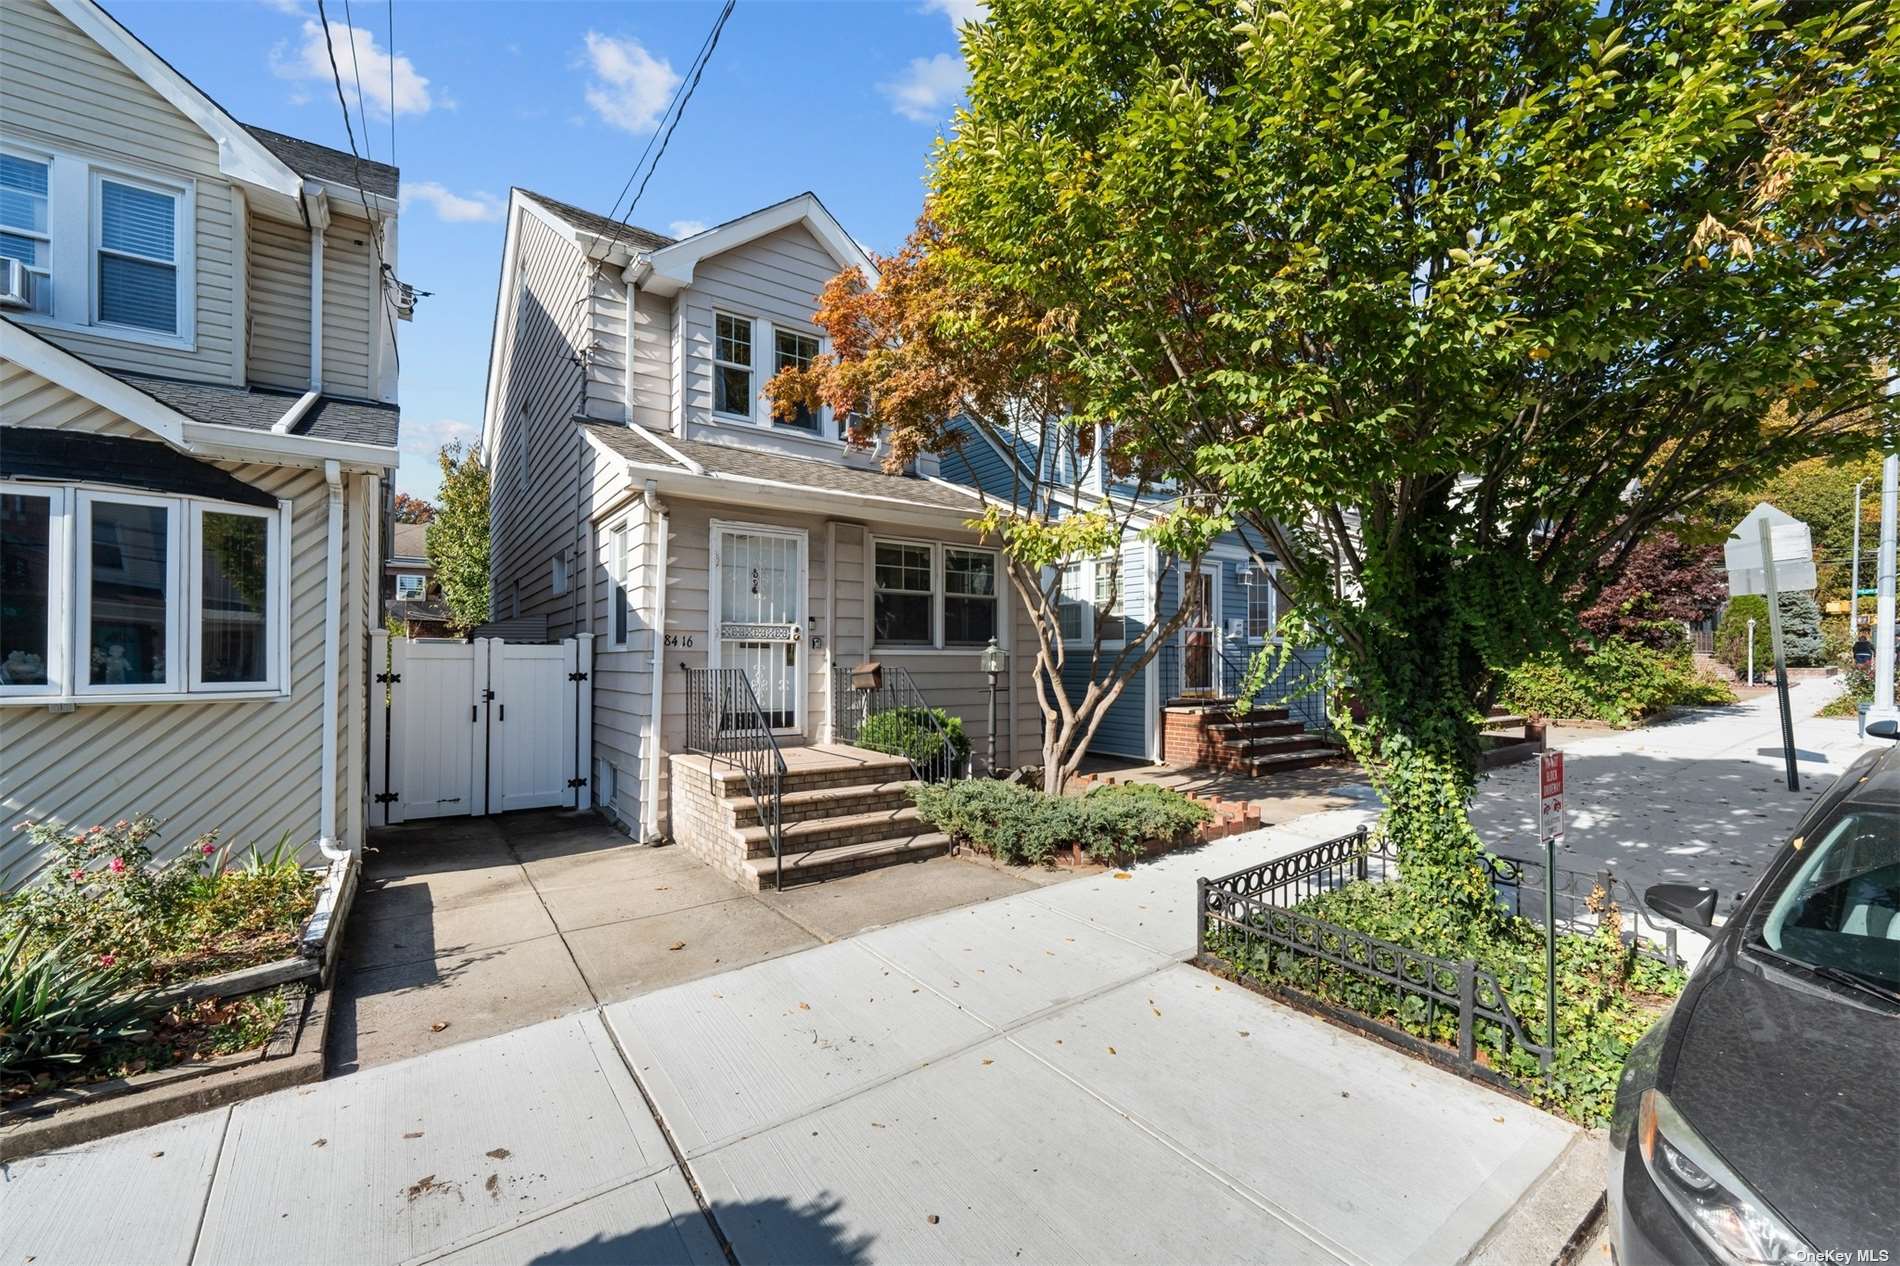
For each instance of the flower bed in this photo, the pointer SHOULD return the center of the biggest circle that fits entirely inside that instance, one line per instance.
(1021, 825)
(1333, 927)
(112, 965)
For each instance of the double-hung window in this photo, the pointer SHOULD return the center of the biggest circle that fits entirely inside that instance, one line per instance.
(106, 248)
(1262, 602)
(905, 599)
(1070, 607)
(1092, 603)
(25, 228)
(136, 248)
(928, 596)
(732, 365)
(792, 349)
(110, 593)
(620, 559)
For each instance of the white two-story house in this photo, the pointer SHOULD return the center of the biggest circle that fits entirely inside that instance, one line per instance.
(197, 420)
(642, 492)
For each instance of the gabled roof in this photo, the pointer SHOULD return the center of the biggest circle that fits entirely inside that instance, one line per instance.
(320, 162)
(753, 466)
(670, 268)
(599, 225)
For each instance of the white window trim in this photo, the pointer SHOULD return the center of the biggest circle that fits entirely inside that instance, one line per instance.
(59, 566)
(46, 274)
(276, 603)
(181, 240)
(422, 586)
(1087, 570)
(821, 427)
(1273, 606)
(618, 590)
(71, 185)
(70, 603)
(943, 593)
(752, 334)
(936, 645)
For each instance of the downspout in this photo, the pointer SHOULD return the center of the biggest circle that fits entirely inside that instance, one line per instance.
(657, 517)
(332, 600)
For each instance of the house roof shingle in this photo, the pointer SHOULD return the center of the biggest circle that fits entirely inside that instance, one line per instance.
(320, 162)
(751, 463)
(409, 541)
(600, 225)
(258, 408)
(36, 453)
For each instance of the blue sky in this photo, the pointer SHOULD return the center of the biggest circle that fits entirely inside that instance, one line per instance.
(844, 99)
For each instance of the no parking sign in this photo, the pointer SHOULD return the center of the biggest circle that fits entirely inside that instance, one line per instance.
(1550, 797)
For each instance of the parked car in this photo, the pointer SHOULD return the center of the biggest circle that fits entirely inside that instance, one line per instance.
(1756, 1122)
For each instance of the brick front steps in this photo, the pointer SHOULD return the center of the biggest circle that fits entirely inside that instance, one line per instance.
(841, 810)
(1262, 741)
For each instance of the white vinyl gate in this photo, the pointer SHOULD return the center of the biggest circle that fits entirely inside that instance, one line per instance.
(469, 728)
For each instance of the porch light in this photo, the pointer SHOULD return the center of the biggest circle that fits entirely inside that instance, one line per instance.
(1245, 571)
(994, 659)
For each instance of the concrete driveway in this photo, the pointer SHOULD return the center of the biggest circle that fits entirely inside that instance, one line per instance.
(1037, 1078)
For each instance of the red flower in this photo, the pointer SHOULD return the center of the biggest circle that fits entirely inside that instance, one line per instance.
(106, 960)
(78, 875)
(120, 825)
(118, 865)
(207, 848)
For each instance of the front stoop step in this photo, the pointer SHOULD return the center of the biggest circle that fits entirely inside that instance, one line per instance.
(824, 834)
(1259, 765)
(829, 863)
(824, 802)
(856, 774)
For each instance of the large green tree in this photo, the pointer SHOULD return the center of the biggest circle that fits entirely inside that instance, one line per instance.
(458, 535)
(1454, 299)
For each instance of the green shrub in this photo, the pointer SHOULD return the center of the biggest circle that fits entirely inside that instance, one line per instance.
(1019, 824)
(1607, 995)
(1801, 637)
(907, 732)
(59, 1006)
(1857, 687)
(1617, 682)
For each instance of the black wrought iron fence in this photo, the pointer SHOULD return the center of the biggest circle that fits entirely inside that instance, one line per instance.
(1581, 900)
(1248, 923)
(912, 727)
(725, 722)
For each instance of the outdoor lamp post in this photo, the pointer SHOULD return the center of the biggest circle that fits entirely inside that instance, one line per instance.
(1751, 652)
(994, 660)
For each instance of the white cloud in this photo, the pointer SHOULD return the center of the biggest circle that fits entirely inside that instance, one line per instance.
(418, 471)
(959, 11)
(294, 8)
(631, 88)
(310, 60)
(686, 228)
(926, 90)
(451, 207)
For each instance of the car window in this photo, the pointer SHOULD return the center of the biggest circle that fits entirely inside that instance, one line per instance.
(1841, 907)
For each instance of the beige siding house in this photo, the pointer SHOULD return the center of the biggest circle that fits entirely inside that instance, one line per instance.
(197, 420)
(642, 492)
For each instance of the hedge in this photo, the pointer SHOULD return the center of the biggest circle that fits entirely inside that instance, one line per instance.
(1617, 682)
(906, 732)
(1014, 823)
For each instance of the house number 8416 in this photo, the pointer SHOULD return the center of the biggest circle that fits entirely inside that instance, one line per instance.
(682, 640)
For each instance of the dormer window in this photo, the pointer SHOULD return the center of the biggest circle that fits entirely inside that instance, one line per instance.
(792, 349)
(732, 366)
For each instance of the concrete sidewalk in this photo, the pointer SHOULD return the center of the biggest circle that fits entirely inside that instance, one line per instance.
(1036, 1078)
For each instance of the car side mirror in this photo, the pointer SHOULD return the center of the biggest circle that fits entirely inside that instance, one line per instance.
(1889, 730)
(1692, 905)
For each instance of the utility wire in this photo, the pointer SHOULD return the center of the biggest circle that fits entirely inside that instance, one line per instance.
(392, 83)
(383, 269)
(362, 107)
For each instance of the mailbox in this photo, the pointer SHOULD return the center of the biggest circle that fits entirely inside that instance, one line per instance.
(867, 676)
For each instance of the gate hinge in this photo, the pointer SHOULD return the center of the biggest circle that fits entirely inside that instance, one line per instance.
(388, 678)
(386, 797)
(577, 782)
(577, 676)
(488, 696)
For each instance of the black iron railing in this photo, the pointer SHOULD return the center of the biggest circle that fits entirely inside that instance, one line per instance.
(931, 751)
(1581, 899)
(1205, 673)
(1300, 687)
(725, 722)
(1249, 923)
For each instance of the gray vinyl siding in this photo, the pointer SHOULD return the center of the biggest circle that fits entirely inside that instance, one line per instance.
(538, 388)
(250, 770)
(279, 283)
(349, 307)
(26, 399)
(651, 395)
(775, 278)
(606, 395)
(60, 89)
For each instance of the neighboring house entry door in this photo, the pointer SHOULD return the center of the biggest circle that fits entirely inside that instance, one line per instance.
(758, 586)
(469, 728)
(1200, 632)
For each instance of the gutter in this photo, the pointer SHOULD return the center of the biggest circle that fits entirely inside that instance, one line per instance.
(657, 515)
(692, 467)
(332, 600)
(296, 412)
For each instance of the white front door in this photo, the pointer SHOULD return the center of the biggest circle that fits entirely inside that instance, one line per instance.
(1200, 631)
(758, 616)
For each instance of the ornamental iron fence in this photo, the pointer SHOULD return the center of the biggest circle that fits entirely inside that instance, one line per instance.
(929, 749)
(725, 722)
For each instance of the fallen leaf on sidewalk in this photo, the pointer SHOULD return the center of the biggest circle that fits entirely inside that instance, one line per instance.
(1500, 1120)
(1122, 874)
(664, 888)
(1244, 1033)
(321, 1143)
(413, 1134)
(1157, 1011)
(677, 945)
(804, 1006)
(500, 1153)
(988, 1062)
(1111, 1050)
(932, 1219)
(438, 1026)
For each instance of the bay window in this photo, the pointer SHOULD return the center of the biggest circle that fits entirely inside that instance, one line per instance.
(928, 596)
(106, 249)
(110, 593)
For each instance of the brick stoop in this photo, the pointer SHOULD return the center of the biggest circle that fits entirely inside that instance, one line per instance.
(836, 817)
(1262, 741)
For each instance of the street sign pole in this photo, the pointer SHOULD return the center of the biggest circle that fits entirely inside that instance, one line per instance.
(1884, 598)
(1550, 826)
(1781, 661)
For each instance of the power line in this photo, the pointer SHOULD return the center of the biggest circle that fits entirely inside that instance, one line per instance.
(362, 107)
(392, 83)
(375, 238)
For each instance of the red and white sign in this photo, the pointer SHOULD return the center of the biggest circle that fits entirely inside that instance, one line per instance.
(1550, 796)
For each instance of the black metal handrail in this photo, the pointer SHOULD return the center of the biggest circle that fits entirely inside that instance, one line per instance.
(1252, 913)
(1300, 687)
(1208, 674)
(725, 722)
(895, 691)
